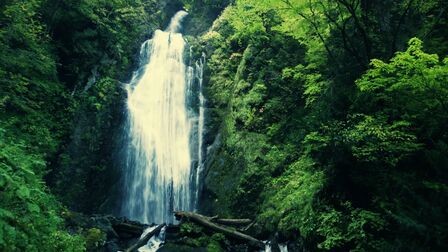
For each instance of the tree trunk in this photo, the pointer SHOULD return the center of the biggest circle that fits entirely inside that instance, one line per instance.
(233, 221)
(207, 222)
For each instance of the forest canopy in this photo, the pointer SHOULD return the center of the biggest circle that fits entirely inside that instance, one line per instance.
(335, 115)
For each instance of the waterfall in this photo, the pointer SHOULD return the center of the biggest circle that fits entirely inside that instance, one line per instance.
(164, 129)
(201, 119)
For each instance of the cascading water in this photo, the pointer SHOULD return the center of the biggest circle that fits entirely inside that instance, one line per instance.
(165, 128)
(200, 155)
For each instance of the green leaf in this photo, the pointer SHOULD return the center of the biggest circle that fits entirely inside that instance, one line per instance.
(23, 192)
(33, 208)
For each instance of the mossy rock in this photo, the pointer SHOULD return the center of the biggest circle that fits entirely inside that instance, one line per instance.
(95, 239)
(214, 246)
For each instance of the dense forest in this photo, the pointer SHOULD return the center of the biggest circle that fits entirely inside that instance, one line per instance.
(326, 119)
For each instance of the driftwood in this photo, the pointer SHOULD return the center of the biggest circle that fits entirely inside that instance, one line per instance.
(141, 242)
(208, 222)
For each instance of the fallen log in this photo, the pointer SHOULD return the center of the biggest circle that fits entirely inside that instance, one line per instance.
(229, 222)
(235, 222)
(142, 241)
(247, 227)
(207, 222)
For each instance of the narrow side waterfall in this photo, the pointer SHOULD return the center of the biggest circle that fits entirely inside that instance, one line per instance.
(164, 129)
(200, 154)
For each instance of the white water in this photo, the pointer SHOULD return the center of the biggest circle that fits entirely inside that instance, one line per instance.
(200, 153)
(155, 242)
(283, 247)
(268, 247)
(165, 128)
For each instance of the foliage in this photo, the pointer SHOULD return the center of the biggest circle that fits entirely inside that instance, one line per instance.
(292, 196)
(335, 126)
(49, 49)
(98, 37)
(29, 216)
(189, 228)
(34, 117)
(332, 129)
(195, 236)
(372, 140)
(95, 239)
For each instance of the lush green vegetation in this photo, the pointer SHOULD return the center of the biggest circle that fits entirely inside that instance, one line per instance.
(330, 114)
(32, 123)
(332, 117)
(52, 52)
